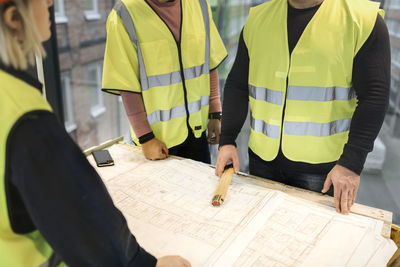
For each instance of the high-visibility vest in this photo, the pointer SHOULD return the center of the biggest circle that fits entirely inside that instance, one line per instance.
(173, 76)
(17, 99)
(309, 93)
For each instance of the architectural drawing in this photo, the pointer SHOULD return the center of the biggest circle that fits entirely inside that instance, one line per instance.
(168, 207)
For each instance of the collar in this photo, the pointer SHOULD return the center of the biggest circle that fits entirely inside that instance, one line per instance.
(293, 9)
(166, 4)
(22, 75)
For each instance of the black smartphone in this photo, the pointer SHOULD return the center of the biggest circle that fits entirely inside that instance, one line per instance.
(103, 158)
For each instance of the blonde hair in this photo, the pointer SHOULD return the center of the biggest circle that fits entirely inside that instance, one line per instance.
(19, 54)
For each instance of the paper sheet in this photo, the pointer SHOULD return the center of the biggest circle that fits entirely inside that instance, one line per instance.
(168, 207)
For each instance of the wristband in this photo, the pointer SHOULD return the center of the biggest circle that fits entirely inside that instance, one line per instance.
(145, 138)
(215, 116)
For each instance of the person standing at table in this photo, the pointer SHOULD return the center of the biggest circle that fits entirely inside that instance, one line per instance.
(316, 74)
(162, 58)
(54, 208)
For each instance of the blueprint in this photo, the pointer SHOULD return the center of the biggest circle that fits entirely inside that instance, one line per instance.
(168, 208)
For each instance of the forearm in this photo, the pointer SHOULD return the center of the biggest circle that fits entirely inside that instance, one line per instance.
(136, 113)
(235, 107)
(215, 100)
(236, 97)
(371, 81)
(366, 124)
(67, 200)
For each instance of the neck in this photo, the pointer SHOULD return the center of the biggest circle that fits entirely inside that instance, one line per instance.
(165, 1)
(303, 4)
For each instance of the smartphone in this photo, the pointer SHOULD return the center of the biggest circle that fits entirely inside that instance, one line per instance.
(103, 158)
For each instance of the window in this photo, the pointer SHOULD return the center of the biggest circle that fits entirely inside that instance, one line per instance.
(81, 43)
(395, 4)
(94, 84)
(60, 12)
(69, 119)
(91, 10)
(393, 26)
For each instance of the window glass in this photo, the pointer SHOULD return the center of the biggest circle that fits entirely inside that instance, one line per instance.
(57, 7)
(81, 44)
(93, 83)
(91, 8)
(59, 11)
(89, 4)
(68, 105)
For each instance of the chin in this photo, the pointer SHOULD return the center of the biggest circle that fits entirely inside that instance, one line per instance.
(46, 37)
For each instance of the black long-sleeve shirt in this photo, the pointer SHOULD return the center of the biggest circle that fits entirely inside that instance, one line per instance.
(371, 81)
(50, 186)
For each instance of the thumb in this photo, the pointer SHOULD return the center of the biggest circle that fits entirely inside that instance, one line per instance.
(209, 137)
(327, 184)
(236, 164)
(210, 134)
(164, 149)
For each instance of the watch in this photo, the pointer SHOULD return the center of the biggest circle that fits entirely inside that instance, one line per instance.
(215, 116)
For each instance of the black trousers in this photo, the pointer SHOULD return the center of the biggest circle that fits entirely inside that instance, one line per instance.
(307, 180)
(193, 148)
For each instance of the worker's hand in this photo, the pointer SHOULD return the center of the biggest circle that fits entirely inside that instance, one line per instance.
(227, 153)
(172, 261)
(155, 149)
(214, 129)
(345, 186)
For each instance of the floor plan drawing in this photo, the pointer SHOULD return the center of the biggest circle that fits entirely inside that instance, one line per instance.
(168, 207)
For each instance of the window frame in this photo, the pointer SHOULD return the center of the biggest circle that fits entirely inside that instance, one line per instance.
(69, 117)
(93, 14)
(60, 17)
(99, 108)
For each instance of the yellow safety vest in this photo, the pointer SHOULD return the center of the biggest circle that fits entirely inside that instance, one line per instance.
(308, 93)
(173, 77)
(17, 98)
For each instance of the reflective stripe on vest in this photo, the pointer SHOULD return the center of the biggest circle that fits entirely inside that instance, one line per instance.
(315, 79)
(178, 111)
(271, 96)
(302, 93)
(317, 129)
(272, 131)
(323, 94)
(124, 14)
(148, 82)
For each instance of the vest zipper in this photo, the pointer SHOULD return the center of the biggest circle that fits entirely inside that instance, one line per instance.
(178, 45)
